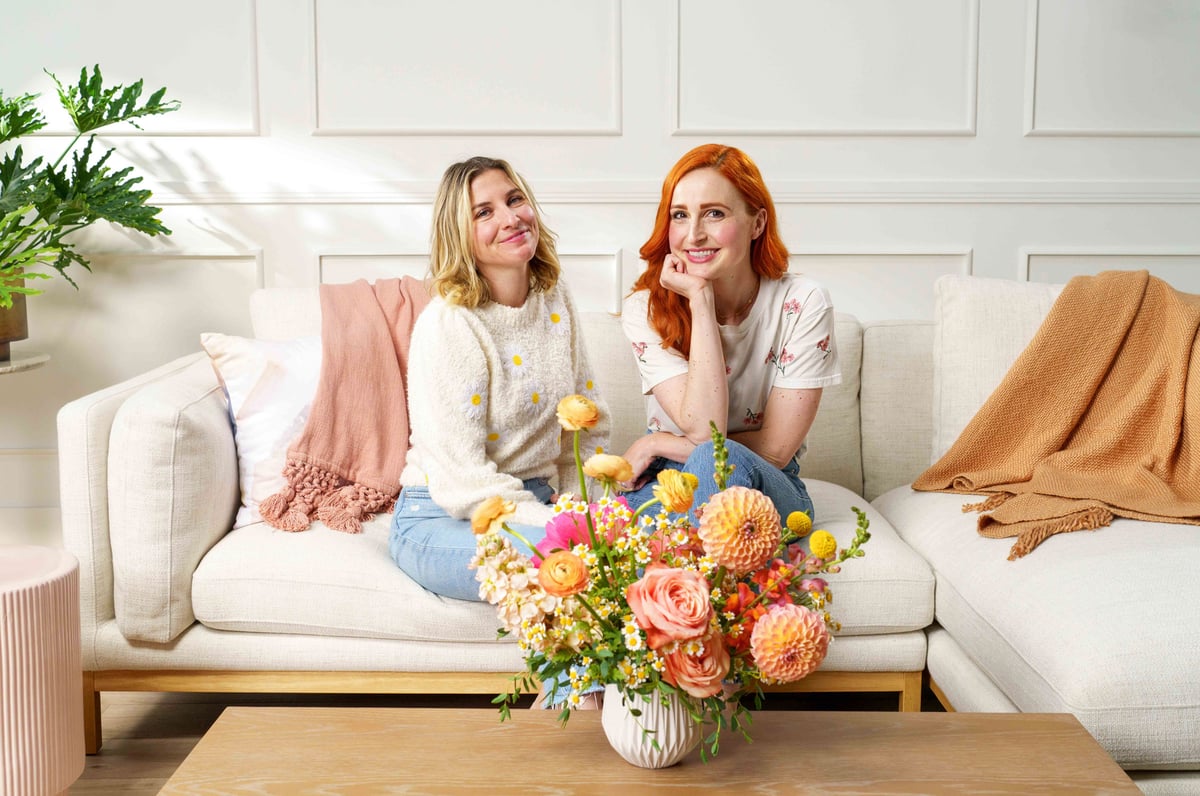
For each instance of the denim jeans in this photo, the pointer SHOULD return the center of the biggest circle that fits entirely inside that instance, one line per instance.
(434, 549)
(782, 486)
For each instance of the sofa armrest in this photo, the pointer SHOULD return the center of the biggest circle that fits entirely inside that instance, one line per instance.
(102, 468)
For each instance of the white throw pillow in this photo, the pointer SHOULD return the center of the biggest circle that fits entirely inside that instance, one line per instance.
(270, 385)
(981, 326)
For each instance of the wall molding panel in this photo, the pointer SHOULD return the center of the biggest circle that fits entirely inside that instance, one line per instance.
(1126, 62)
(218, 99)
(747, 85)
(450, 93)
(1179, 265)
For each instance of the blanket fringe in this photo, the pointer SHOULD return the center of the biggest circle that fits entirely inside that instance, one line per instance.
(313, 490)
(1086, 520)
(994, 501)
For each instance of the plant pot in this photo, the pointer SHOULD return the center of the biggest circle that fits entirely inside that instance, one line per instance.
(14, 324)
(633, 737)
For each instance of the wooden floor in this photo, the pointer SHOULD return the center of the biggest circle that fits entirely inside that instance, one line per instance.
(147, 736)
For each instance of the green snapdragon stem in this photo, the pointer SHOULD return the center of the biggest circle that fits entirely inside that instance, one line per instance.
(523, 540)
(604, 559)
(642, 508)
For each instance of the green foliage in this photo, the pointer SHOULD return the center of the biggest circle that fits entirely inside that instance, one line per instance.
(43, 203)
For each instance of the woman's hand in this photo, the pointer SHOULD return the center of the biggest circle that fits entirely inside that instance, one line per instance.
(675, 277)
(647, 448)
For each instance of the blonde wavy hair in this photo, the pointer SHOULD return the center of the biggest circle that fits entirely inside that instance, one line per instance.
(452, 259)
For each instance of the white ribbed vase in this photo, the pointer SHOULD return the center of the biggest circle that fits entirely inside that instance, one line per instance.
(41, 708)
(676, 732)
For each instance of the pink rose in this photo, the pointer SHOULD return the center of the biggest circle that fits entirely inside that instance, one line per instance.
(700, 675)
(670, 604)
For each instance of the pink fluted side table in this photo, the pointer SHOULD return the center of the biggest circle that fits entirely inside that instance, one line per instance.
(41, 714)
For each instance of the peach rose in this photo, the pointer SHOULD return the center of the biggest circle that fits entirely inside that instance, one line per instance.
(699, 672)
(670, 604)
(562, 574)
(576, 412)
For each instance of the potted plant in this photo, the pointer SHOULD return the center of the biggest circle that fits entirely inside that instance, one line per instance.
(42, 203)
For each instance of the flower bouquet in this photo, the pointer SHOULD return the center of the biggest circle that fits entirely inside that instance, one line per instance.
(653, 604)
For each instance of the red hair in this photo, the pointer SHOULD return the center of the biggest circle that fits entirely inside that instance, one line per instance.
(669, 314)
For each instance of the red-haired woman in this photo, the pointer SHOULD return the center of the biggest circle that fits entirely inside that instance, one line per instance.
(723, 332)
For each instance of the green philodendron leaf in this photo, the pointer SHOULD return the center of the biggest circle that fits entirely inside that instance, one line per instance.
(19, 182)
(19, 116)
(92, 106)
(92, 191)
(19, 253)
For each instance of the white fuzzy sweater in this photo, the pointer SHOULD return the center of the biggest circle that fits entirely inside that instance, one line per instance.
(483, 386)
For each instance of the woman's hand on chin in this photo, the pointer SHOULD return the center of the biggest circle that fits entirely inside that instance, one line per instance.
(675, 277)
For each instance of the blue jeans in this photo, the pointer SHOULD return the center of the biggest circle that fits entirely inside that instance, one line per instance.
(434, 549)
(782, 486)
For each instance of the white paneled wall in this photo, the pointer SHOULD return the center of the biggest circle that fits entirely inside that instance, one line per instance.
(902, 139)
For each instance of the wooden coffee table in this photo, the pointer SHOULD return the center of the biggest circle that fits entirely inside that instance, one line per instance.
(281, 750)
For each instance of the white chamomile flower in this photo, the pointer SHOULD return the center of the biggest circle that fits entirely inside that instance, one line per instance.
(516, 361)
(533, 401)
(557, 317)
(474, 400)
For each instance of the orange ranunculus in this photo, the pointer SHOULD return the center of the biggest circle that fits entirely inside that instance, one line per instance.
(670, 604)
(740, 529)
(491, 513)
(699, 673)
(675, 490)
(562, 574)
(789, 643)
(576, 412)
(607, 467)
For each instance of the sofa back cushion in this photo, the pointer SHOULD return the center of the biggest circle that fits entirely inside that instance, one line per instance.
(834, 443)
(897, 396)
(981, 326)
(172, 480)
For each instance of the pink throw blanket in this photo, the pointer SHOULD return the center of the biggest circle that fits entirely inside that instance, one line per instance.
(346, 464)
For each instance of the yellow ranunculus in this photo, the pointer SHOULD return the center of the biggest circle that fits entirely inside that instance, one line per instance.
(576, 412)
(822, 544)
(675, 490)
(490, 513)
(607, 467)
(562, 574)
(799, 523)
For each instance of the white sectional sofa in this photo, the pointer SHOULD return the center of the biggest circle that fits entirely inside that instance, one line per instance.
(1094, 623)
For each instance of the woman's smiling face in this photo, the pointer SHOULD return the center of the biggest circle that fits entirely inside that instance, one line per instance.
(503, 222)
(711, 226)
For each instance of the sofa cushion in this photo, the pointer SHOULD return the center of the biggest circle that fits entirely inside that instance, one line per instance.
(1074, 627)
(172, 486)
(981, 326)
(322, 582)
(270, 386)
(897, 390)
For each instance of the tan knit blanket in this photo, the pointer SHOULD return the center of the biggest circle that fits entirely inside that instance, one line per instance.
(346, 463)
(1099, 416)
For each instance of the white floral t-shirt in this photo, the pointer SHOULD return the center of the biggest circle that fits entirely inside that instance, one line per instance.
(786, 341)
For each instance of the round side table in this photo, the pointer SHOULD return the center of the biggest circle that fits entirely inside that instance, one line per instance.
(19, 362)
(41, 711)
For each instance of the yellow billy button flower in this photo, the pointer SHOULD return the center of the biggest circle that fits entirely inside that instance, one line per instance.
(799, 523)
(491, 513)
(822, 544)
(675, 490)
(606, 467)
(576, 412)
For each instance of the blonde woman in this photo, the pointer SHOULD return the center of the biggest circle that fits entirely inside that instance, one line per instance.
(492, 354)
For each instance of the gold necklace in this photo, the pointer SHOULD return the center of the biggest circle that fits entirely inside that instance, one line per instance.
(737, 316)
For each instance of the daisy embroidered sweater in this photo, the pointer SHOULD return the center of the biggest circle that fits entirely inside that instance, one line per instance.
(483, 387)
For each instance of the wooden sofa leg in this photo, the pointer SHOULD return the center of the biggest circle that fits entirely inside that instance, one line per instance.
(910, 696)
(91, 715)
